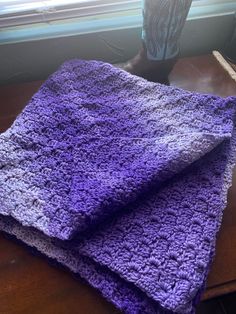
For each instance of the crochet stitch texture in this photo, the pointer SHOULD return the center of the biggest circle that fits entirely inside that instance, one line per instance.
(123, 181)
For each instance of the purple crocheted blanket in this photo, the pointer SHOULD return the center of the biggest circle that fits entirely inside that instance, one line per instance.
(123, 181)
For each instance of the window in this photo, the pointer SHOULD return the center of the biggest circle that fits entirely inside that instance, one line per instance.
(23, 20)
(19, 12)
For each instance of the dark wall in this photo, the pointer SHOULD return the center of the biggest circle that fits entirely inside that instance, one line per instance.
(35, 60)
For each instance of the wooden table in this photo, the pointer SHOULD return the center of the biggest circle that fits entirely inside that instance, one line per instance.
(29, 285)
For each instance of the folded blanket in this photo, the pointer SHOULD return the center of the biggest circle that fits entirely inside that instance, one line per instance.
(121, 180)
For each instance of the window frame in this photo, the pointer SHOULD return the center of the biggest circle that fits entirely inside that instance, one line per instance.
(105, 16)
